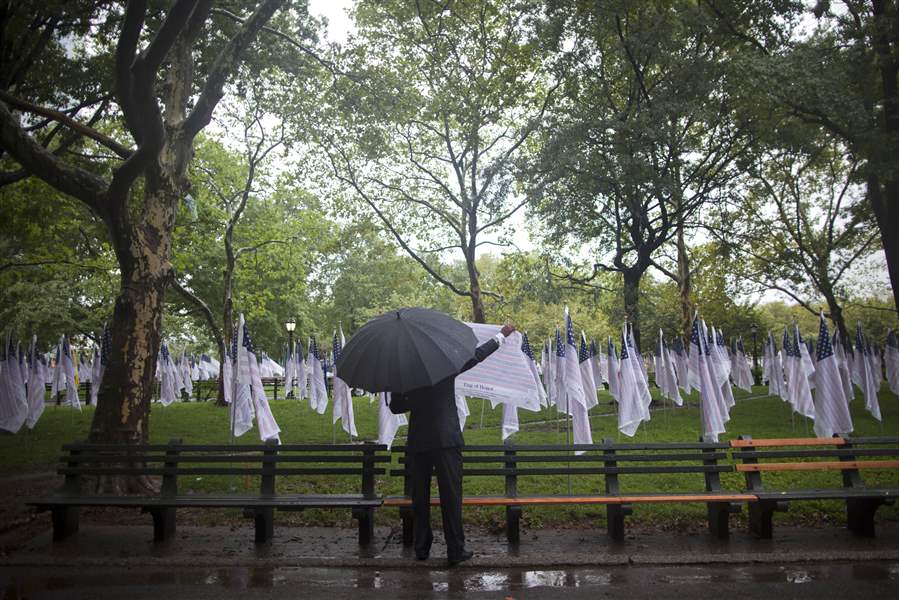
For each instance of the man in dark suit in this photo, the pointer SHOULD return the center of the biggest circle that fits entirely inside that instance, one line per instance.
(435, 442)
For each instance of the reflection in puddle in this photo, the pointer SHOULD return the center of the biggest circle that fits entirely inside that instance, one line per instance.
(490, 581)
(798, 576)
(19, 584)
(533, 579)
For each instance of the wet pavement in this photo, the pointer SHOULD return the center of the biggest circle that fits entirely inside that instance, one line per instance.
(797, 580)
(104, 561)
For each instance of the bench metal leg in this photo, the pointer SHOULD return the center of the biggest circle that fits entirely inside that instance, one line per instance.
(761, 514)
(163, 523)
(65, 521)
(265, 525)
(408, 525)
(615, 514)
(366, 519)
(860, 515)
(513, 524)
(719, 519)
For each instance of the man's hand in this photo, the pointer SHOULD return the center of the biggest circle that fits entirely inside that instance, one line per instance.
(507, 330)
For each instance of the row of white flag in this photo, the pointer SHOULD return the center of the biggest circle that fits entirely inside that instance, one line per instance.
(566, 377)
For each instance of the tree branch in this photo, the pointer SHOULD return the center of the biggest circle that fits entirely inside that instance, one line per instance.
(69, 122)
(39, 161)
(224, 64)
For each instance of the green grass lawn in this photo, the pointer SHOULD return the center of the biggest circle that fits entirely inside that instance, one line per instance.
(757, 415)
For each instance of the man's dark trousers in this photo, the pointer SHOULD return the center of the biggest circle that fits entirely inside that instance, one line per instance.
(447, 463)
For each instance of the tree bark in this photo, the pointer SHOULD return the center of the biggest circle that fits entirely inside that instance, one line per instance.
(474, 286)
(632, 300)
(885, 203)
(882, 182)
(684, 282)
(836, 315)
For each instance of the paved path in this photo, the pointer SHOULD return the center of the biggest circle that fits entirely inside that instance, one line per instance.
(216, 562)
(750, 581)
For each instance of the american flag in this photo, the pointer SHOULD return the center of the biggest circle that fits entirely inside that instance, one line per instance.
(560, 347)
(610, 348)
(335, 348)
(624, 345)
(593, 351)
(234, 343)
(247, 340)
(526, 346)
(825, 348)
(694, 335)
(583, 352)
(787, 345)
(569, 330)
(892, 342)
(831, 410)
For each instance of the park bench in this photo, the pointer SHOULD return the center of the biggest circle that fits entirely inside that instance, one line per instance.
(176, 462)
(622, 467)
(846, 456)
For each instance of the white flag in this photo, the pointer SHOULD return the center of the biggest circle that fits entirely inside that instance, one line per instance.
(388, 423)
(864, 376)
(891, 360)
(318, 391)
(13, 397)
(342, 403)
(632, 409)
(831, 410)
(36, 385)
(712, 406)
(249, 390)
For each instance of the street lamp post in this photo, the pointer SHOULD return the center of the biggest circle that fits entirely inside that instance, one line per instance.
(755, 352)
(290, 325)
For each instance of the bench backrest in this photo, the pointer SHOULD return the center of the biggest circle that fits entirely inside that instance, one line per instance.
(267, 461)
(609, 459)
(846, 455)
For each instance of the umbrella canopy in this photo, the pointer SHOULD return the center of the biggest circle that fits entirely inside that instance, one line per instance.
(406, 349)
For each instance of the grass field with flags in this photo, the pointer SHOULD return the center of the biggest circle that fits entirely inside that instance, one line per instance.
(755, 414)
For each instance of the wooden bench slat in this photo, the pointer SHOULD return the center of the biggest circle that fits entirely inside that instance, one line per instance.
(191, 458)
(550, 500)
(827, 494)
(768, 443)
(226, 447)
(214, 471)
(819, 466)
(821, 452)
(592, 458)
(524, 472)
(586, 447)
(202, 501)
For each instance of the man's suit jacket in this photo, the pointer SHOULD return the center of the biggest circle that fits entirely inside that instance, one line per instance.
(434, 422)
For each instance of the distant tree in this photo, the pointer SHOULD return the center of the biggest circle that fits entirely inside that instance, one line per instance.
(441, 100)
(802, 226)
(642, 138)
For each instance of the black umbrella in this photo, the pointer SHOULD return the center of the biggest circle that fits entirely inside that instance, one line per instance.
(406, 349)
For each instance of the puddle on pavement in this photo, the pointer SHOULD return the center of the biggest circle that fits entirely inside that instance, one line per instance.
(18, 584)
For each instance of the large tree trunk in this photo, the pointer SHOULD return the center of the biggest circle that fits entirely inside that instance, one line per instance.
(632, 300)
(142, 251)
(836, 315)
(474, 286)
(884, 200)
(882, 182)
(684, 283)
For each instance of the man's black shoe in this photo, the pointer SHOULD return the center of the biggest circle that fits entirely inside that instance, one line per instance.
(421, 556)
(455, 560)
